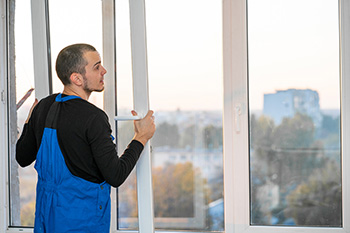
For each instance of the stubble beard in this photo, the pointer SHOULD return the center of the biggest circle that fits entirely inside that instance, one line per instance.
(87, 88)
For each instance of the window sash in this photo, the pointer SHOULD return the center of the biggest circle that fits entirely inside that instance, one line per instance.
(236, 134)
(141, 103)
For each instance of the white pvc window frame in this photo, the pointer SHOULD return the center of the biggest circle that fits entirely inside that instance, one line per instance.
(141, 101)
(109, 62)
(138, 38)
(41, 61)
(41, 44)
(3, 116)
(236, 132)
(141, 106)
(236, 164)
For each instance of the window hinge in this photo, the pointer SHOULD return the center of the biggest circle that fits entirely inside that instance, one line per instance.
(3, 96)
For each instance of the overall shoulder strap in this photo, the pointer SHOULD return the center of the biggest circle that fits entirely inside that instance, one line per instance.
(51, 119)
(61, 98)
(52, 115)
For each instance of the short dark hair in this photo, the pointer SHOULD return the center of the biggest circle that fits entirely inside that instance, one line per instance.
(70, 60)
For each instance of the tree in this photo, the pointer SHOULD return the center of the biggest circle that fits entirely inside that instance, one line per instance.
(212, 137)
(330, 124)
(261, 131)
(127, 197)
(188, 139)
(284, 156)
(318, 201)
(296, 132)
(166, 135)
(175, 187)
(261, 141)
(262, 157)
(124, 135)
(329, 132)
(27, 216)
(174, 190)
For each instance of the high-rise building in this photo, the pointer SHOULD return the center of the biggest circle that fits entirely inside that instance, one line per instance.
(286, 103)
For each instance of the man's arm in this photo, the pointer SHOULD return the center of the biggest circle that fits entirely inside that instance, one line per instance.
(26, 148)
(113, 168)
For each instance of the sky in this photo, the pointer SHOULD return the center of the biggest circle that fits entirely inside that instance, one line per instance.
(292, 44)
(184, 45)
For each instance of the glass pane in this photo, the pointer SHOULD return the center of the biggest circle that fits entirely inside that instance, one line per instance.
(294, 100)
(22, 180)
(78, 21)
(127, 193)
(185, 86)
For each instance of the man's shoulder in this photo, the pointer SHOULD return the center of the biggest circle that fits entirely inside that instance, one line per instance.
(87, 106)
(48, 99)
(86, 111)
(45, 103)
(89, 115)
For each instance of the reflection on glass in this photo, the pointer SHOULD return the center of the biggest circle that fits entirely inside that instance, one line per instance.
(22, 181)
(185, 86)
(78, 21)
(295, 175)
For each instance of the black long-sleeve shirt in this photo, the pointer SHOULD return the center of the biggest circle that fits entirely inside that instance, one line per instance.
(84, 136)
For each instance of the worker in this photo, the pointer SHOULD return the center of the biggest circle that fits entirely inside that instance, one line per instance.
(75, 156)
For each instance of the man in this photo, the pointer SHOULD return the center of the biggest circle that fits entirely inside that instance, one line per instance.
(71, 141)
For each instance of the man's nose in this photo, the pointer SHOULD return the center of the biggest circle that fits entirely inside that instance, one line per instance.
(104, 71)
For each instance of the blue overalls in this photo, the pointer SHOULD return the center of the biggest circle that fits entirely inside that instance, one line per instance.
(64, 202)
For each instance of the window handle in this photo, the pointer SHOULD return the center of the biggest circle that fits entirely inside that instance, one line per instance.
(127, 118)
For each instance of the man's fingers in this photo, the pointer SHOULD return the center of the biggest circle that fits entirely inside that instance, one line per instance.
(149, 114)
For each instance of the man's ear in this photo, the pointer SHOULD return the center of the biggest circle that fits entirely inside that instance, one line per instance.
(76, 79)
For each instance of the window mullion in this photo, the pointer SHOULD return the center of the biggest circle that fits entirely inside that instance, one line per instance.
(236, 163)
(345, 107)
(3, 116)
(109, 61)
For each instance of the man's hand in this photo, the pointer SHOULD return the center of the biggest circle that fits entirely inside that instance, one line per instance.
(144, 128)
(31, 109)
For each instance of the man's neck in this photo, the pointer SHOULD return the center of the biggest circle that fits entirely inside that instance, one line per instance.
(81, 93)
